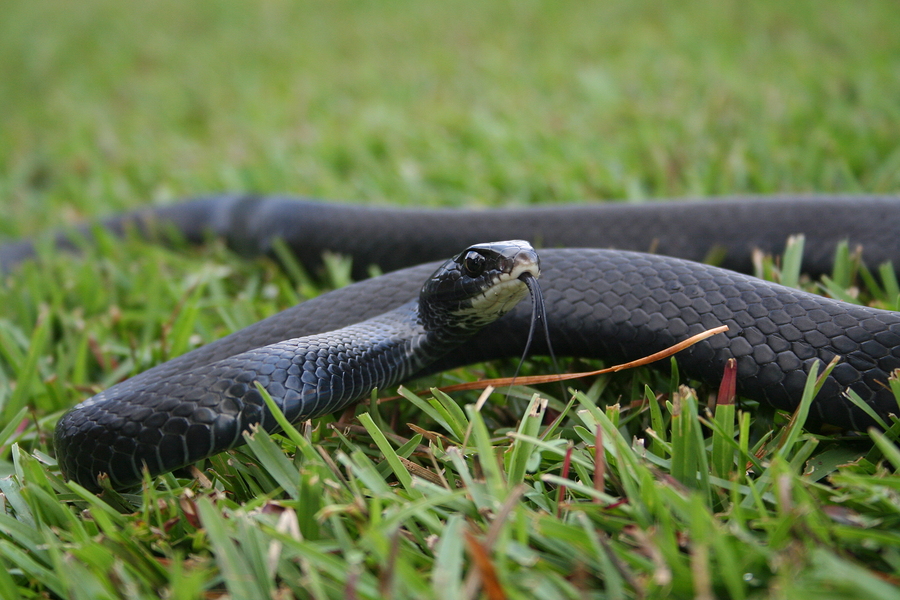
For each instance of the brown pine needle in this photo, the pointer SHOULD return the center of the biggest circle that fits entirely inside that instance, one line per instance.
(484, 565)
(536, 379)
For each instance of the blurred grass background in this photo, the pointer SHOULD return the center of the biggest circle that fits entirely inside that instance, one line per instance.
(107, 105)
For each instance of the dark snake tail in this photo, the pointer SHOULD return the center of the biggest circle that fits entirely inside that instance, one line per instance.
(394, 238)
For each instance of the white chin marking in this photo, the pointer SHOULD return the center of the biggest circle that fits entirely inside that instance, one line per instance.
(500, 298)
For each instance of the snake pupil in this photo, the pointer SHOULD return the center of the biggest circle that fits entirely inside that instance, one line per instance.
(474, 264)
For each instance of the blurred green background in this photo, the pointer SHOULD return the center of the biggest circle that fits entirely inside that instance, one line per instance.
(107, 105)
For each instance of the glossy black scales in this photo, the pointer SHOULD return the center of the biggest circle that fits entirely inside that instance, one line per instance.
(167, 418)
(171, 422)
(623, 305)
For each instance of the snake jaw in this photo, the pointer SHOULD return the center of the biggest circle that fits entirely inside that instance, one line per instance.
(507, 291)
(495, 303)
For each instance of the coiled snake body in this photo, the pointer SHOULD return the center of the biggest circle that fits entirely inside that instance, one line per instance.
(610, 304)
(164, 423)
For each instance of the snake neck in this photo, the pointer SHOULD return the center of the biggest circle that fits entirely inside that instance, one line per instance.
(344, 366)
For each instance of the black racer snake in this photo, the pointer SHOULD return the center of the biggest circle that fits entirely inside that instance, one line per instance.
(601, 303)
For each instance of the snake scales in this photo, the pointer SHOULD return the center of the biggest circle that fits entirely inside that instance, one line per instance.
(601, 303)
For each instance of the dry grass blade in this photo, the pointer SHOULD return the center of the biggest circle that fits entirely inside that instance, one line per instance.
(537, 379)
(485, 567)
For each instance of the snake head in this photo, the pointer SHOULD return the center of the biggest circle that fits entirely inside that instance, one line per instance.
(478, 286)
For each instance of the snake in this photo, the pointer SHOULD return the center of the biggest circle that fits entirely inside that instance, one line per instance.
(163, 424)
(620, 281)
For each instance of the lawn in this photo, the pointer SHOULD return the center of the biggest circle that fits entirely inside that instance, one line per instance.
(109, 105)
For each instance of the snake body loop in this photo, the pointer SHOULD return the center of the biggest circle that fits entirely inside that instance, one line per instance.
(393, 238)
(601, 303)
(166, 423)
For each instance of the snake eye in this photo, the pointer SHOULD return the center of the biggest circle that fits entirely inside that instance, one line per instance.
(474, 263)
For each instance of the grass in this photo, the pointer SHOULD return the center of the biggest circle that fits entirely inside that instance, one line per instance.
(111, 105)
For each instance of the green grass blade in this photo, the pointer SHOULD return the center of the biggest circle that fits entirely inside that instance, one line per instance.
(486, 453)
(449, 560)
(435, 411)
(792, 261)
(27, 375)
(522, 450)
(8, 588)
(891, 286)
(240, 582)
(272, 458)
(842, 271)
(390, 455)
(723, 444)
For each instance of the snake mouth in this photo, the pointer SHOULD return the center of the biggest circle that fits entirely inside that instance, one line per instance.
(508, 287)
(501, 298)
